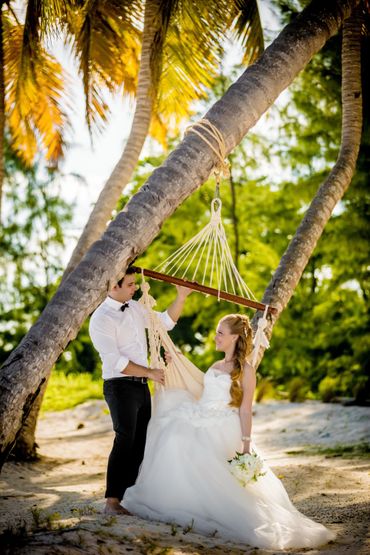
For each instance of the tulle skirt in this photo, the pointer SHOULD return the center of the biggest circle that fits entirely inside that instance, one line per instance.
(185, 479)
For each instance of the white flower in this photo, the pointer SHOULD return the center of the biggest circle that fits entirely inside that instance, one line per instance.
(246, 468)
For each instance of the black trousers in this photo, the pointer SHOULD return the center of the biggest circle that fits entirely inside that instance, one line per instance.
(130, 408)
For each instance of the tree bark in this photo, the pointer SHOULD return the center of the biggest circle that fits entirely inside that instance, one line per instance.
(25, 448)
(300, 249)
(121, 175)
(187, 167)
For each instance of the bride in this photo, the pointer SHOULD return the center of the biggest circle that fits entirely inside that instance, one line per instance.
(185, 476)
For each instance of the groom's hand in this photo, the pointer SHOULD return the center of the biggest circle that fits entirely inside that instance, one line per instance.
(157, 375)
(183, 292)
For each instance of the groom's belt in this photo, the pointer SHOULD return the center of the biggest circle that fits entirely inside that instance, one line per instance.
(130, 379)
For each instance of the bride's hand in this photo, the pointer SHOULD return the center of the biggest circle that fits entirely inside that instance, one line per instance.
(247, 447)
(167, 357)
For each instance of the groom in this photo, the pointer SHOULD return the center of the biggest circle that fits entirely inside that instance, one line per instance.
(117, 330)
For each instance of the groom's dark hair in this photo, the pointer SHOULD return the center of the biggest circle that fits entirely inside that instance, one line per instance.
(130, 270)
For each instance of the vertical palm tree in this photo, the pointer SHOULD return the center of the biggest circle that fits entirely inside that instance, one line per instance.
(181, 44)
(300, 249)
(25, 372)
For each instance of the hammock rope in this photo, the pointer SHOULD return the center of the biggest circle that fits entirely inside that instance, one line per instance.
(209, 249)
(221, 167)
(205, 263)
(181, 373)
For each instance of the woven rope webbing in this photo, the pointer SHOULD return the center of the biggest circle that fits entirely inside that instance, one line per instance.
(180, 372)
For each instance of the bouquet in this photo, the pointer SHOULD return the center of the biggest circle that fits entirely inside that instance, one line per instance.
(246, 468)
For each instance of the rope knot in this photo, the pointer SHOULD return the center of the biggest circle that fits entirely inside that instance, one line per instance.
(204, 127)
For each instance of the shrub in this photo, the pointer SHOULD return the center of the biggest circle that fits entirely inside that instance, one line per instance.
(264, 390)
(328, 388)
(297, 390)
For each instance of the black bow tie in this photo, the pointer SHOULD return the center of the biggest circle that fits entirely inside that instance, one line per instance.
(124, 306)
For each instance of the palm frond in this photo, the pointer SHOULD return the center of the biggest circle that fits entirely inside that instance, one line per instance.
(193, 51)
(189, 66)
(166, 11)
(107, 44)
(47, 17)
(248, 29)
(33, 98)
(31, 33)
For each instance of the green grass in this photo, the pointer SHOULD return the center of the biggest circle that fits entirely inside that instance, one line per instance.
(65, 392)
(344, 451)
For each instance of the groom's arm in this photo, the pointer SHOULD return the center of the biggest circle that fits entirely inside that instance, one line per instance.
(133, 369)
(175, 309)
(104, 337)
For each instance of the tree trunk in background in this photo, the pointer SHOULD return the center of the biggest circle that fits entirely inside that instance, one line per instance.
(188, 166)
(2, 113)
(300, 249)
(234, 217)
(25, 448)
(122, 173)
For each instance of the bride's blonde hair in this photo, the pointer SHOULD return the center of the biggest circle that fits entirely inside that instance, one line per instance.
(239, 324)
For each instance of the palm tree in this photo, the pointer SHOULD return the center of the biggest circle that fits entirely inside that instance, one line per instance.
(181, 44)
(26, 370)
(301, 247)
(33, 84)
(32, 93)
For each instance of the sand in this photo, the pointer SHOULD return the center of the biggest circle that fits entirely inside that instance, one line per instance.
(61, 496)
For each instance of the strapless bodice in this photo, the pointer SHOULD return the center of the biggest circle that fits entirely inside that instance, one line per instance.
(216, 392)
(212, 405)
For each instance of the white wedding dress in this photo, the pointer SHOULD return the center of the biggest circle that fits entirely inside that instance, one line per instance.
(185, 479)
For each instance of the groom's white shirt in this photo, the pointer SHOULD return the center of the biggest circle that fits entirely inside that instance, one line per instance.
(119, 337)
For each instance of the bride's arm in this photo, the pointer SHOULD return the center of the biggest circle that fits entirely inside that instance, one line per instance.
(245, 410)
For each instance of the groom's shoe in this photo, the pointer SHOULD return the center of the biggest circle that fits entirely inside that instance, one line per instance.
(115, 509)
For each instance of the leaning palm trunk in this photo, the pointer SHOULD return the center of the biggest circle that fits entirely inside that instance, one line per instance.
(25, 448)
(28, 367)
(124, 168)
(298, 253)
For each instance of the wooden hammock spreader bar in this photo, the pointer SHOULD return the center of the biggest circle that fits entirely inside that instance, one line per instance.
(204, 289)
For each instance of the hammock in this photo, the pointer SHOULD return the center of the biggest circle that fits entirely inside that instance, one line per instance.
(204, 263)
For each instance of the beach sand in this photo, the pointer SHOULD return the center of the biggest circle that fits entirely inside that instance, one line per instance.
(60, 497)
